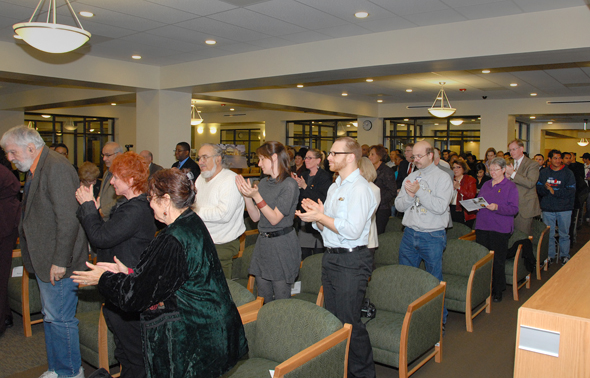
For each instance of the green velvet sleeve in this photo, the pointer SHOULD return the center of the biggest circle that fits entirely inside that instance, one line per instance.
(161, 271)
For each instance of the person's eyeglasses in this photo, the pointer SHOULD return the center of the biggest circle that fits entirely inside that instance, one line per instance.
(205, 157)
(108, 155)
(310, 158)
(333, 153)
(417, 157)
(495, 170)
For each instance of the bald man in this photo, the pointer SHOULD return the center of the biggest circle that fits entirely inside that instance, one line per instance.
(149, 157)
(107, 197)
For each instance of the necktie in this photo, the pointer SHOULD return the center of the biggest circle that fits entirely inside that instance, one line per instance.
(516, 166)
(410, 168)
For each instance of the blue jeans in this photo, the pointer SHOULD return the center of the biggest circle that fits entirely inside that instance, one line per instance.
(61, 327)
(563, 219)
(428, 246)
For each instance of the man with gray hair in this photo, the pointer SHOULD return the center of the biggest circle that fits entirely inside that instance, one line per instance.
(219, 204)
(52, 242)
(149, 157)
(107, 196)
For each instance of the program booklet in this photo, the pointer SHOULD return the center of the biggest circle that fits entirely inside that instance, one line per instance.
(474, 204)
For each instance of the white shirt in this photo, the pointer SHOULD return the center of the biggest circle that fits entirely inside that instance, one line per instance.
(516, 165)
(221, 206)
(373, 239)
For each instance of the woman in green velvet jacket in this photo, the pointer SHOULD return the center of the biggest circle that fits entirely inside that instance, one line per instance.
(190, 325)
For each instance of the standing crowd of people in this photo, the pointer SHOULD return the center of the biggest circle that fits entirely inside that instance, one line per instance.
(171, 284)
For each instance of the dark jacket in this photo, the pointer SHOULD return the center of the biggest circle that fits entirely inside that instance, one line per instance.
(49, 232)
(190, 164)
(126, 234)
(402, 173)
(9, 203)
(318, 190)
(190, 325)
(386, 182)
(564, 187)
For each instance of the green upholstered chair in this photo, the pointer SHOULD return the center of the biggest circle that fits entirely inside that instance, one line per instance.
(541, 245)
(310, 276)
(388, 251)
(517, 274)
(394, 224)
(23, 295)
(240, 269)
(467, 270)
(458, 230)
(97, 344)
(246, 302)
(408, 323)
(295, 339)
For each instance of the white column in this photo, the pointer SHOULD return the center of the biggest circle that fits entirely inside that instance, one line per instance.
(163, 120)
(9, 119)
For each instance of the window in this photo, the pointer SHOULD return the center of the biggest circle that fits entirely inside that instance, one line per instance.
(250, 138)
(319, 134)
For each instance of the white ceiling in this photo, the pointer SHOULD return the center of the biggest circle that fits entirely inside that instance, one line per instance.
(166, 32)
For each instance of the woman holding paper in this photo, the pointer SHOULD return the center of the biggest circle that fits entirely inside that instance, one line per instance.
(495, 222)
(464, 188)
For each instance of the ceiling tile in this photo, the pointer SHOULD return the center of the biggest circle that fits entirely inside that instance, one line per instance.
(258, 22)
(160, 42)
(345, 9)
(297, 13)
(237, 48)
(108, 17)
(488, 10)
(221, 29)
(143, 9)
(344, 31)
(305, 37)
(542, 5)
(15, 12)
(539, 79)
(569, 75)
(404, 7)
(435, 18)
(269, 43)
(106, 30)
(200, 7)
(462, 3)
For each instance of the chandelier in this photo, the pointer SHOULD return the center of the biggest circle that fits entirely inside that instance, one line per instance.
(52, 37)
(583, 142)
(196, 118)
(442, 111)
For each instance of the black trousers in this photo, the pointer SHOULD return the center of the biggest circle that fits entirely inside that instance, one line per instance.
(127, 331)
(345, 277)
(6, 246)
(497, 242)
(381, 219)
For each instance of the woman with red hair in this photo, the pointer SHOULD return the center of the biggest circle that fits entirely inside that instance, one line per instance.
(128, 231)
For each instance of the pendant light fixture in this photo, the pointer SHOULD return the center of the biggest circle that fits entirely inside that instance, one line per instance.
(442, 111)
(583, 142)
(196, 118)
(457, 122)
(69, 125)
(50, 36)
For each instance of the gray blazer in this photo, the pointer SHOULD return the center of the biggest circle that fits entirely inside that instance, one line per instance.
(154, 168)
(526, 179)
(50, 233)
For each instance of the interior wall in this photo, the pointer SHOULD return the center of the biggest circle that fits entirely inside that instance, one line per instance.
(9, 119)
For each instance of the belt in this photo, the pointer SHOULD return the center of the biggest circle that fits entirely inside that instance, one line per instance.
(345, 250)
(274, 234)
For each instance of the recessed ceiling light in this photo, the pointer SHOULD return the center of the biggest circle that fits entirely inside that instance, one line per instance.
(533, 94)
(210, 42)
(231, 109)
(369, 80)
(86, 14)
(299, 85)
(344, 94)
(136, 57)
(550, 123)
(379, 101)
(409, 90)
(485, 71)
(513, 84)
(16, 36)
(406, 119)
(45, 116)
(532, 117)
(361, 14)
(478, 117)
(436, 124)
(114, 103)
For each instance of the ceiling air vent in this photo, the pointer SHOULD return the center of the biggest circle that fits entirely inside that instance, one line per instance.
(567, 102)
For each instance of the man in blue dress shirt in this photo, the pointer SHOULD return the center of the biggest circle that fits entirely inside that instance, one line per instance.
(344, 222)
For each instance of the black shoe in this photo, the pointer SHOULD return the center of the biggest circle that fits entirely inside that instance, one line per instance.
(8, 322)
(497, 297)
(564, 260)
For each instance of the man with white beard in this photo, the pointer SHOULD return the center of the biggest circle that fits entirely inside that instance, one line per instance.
(219, 204)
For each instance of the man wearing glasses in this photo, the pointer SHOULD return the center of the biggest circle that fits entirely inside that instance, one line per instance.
(182, 154)
(424, 199)
(219, 204)
(107, 196)
(344, 222)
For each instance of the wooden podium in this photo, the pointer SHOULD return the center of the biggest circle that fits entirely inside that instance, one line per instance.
(553, 333)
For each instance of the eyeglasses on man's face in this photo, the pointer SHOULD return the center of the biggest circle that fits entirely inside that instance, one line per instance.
(108, 155)
(334, 153)
(205, 157)
(418, 157)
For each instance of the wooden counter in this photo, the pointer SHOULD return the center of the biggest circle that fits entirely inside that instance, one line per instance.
(561, 305)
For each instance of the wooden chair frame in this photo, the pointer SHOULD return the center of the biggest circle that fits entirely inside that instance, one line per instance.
(26, 311)
(243, 242)
(469, 237)
(249, 311)
(469, 313)
(527, 280)
(403, 347)
(545, 266)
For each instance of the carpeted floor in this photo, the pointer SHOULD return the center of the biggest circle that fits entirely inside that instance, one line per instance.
(487, 352)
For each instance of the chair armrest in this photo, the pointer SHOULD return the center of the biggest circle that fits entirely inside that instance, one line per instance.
(320, 300)
(246, 311)
(251, 281)
(478, 265)
(16, 253)
(243, 242)
(469, 237)
(315, 350)
(250, 316)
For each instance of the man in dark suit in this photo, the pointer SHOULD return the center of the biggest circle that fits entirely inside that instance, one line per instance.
(406, 166)
(525, 174)
(182, 153)
(52, 241)
(149, 157)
